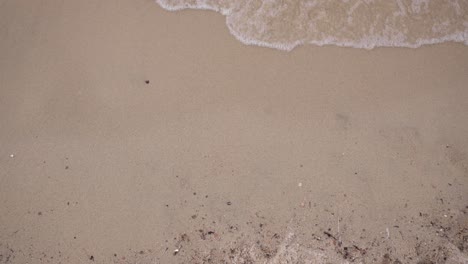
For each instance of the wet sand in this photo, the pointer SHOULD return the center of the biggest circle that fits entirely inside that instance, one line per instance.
(130, 134)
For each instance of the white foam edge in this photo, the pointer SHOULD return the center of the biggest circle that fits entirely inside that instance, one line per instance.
(190, 6)
(362, 44)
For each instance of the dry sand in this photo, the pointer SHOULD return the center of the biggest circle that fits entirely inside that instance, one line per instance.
(230, 153)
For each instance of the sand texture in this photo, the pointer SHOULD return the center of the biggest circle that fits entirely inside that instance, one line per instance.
(130, 134)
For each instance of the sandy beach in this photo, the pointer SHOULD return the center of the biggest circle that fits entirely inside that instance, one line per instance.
(130, 134)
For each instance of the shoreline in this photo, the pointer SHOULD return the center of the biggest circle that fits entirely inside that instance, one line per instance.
(133, 128)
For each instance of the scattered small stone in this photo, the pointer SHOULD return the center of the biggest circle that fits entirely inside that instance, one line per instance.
(228, 203)
(142, 252)
(91, 258)
(39, 213)
(12, 155)
(66, 167)
(176, 251)
(147, 81)
(299, 184)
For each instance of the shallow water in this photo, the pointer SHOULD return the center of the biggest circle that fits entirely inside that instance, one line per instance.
(285, 24)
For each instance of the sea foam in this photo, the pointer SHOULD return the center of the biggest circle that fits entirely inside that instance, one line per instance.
(286, 24)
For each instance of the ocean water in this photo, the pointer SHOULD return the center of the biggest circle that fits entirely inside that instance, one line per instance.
(285, 24)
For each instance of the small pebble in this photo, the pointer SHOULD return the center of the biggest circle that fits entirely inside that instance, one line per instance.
(12, 155)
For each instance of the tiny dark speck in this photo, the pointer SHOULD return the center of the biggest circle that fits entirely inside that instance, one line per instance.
(40, 213)
(66, 167)
(228, 203)
(91, 258)
(147, 81)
